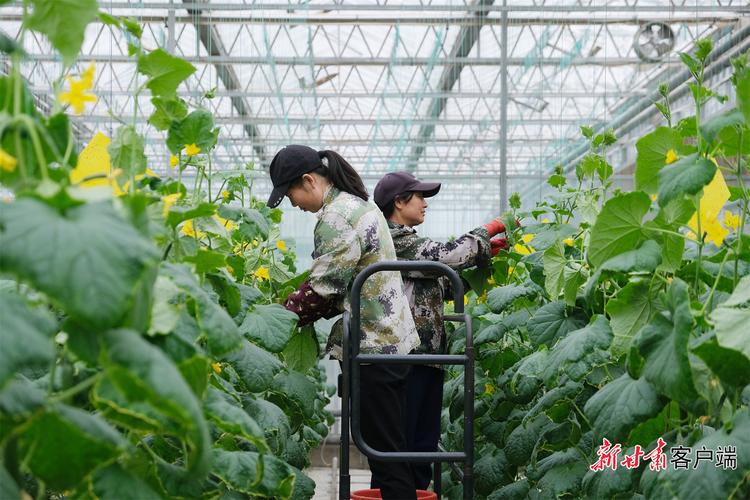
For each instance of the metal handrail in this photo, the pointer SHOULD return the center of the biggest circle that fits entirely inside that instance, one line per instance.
(350, 380)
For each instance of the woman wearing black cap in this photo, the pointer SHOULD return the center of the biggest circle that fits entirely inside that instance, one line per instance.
(402, 198)
(350, 235)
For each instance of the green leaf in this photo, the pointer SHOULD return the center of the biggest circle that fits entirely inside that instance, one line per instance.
(587, 132)
(671, 218)
(215, 323)
(230, 417)
(25, 337)
(8, 487)
(126, 151)
(560, 474)
(652, 157)
(254, 474)
(632, 308)
(574, 278)
(252, 223)
(299, 389)
(731, 319)
(498, 299)
(115, 482)
(618, 227)
(142, 371)
(706, 480)
(271, 419)
(139, 416)
(618, 407)
(255, 366)
(207, 261)
(644, 259)
(196, 128)
(179, 214)
(64, 23)
(165, 313)
(686, 176)
(166, 111)
(741, 82)
(304, 487)
(554, 269)
(552, 322)
(165, 73)
(728, 364)
(301, 353)
(271, 326)
(580, 351)
(608, 483)
(132, 26)
(711, 129)
(514, 491)
(492, 470)
(663, 344)
(95, 270)
(65, 444)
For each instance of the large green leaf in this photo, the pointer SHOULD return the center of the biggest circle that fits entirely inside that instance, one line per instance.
(560, 474)
(492, 470)
(216, 325)
(608, 483)
(165, 73)
(732, 367)
(254, 474)
(741, 81)
(301, 353)
(115, 482)
(712, 128)
(732, 317)
(554, 269)
(270, 325)
(644, 259)
(686, 176)
(139, 416)
(580, 351)
(65, 444)
(64, 23)
(502, 297)
(255, 366)
(167, 111)
(143, 372)
(25, 336)
(671, 218)
(663, 342)
(252, 225)
(304, 487)
(652, 157)
(231, 417)
(196, 128)
(299, 389)
(272, 419)
(126, 151)
(618, 228)
(96, 268)
(706, 479)
(618, 407)
(552, 322)
(628, 311)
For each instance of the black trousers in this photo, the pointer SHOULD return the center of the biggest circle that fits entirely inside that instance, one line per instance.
(424, 403)
(383, 406)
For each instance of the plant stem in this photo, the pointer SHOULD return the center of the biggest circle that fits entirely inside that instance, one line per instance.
(79, 387)
(29, 125)
(716, 282)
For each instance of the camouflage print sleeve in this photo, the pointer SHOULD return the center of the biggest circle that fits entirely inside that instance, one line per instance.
(337, 252)
(471, 249)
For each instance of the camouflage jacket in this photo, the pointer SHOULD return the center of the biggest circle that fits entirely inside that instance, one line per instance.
(426, 293)
(350, 235)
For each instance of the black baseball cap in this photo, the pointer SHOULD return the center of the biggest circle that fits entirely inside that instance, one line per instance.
(289, 164)
(396, 183)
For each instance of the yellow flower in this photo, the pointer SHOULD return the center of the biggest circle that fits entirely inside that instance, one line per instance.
(731, 221)
(527, 237)
(216, 367)
(231, 270)
(491, 281)
(189, 230)
(262, 273)
(489, 388)
(225, 195)
(169, 200)
(174, 161)
(192, 149)
(482, 298)
(671, 156)
(79, 94)
(545, 220)
(715, 195)
(510, 270)
(281, 245)
(466, 299)
(255, 243)
(569, 241)
(653, 197)
(7, 161)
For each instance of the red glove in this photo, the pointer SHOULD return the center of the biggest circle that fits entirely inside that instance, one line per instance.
(494, 227)
(498, 244)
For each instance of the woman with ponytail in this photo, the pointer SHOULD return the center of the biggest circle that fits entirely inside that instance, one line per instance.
(350, 235)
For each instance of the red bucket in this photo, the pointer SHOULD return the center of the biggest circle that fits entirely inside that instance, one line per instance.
(367, 494)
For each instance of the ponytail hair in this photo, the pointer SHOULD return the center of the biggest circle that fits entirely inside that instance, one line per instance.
(341, 174)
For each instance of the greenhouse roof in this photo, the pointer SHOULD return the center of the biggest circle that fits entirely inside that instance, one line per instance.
(428, 86)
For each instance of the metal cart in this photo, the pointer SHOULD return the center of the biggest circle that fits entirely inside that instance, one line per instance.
(349, 382)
